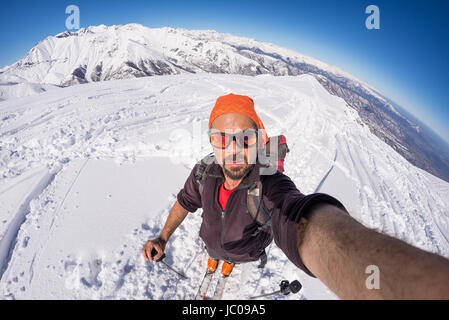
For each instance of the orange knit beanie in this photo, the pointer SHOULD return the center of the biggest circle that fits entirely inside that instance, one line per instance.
(234, 103)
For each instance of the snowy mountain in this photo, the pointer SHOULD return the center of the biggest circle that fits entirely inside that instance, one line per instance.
(100, 53)
(90, 172)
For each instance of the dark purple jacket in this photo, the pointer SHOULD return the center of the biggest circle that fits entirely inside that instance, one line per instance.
(230, 233)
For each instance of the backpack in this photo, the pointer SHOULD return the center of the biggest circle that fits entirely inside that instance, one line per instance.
(255, 205)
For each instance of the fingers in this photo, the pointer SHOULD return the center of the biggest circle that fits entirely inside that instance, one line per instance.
(149, 247)
(146, 251)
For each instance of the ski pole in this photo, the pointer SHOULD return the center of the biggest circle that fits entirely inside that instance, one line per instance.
(161, 259)
(285, 287)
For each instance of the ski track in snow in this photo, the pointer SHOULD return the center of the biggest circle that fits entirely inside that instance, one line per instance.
(76, 163)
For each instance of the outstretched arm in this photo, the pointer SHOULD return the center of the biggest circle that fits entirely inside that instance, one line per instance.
(337, 249)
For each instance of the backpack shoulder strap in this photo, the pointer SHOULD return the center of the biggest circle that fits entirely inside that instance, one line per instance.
(203, 170)
(256, 207)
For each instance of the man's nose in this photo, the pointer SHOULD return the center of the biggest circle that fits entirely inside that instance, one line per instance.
(234, 146)
(233, 149)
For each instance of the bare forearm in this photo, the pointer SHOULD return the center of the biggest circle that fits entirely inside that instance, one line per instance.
(337, 249)
(176, 216)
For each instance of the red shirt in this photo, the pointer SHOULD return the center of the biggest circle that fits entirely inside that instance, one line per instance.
(223, 196)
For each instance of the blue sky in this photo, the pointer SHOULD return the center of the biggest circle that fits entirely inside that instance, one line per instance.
(406, 59)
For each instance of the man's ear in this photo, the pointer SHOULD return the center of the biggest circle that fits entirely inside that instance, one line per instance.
(262, 143)
(262, 139)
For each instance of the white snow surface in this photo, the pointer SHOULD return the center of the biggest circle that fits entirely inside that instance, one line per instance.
(12, 86)
(89, 172)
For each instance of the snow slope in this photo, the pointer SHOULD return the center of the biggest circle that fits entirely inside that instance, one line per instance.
(90, 172)
(12, 86)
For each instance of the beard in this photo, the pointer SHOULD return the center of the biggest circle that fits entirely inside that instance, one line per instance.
(237, 173)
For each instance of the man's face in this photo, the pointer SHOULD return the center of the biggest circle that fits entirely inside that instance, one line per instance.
(236, 160)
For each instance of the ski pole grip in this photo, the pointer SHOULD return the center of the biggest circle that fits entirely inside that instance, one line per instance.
(154, 252)
(295, 286)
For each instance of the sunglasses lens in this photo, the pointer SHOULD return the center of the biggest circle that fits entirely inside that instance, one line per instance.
(250, 139)
(218, 140)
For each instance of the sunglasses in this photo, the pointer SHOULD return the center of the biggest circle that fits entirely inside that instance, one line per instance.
(243, 139)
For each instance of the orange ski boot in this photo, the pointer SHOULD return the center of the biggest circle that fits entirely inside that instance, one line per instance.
(212, 265)
(226, 269)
